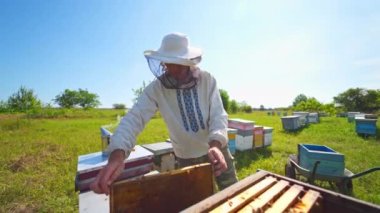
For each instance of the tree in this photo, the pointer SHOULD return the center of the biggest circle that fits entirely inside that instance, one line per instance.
(225, 99)
(72, 98)
(22, 100)
(3, 106)
(299, 99)
(67, 99)
(359, 99)
(233, 107)
(329, 109)
(87, 100)
(311, 105)
(244, 107)
(119, 106)
(137, 92)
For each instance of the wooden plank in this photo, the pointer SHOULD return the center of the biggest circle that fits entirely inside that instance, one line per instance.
(286, 200)
(165, 192)
(263, 201)
(246, 196)
(229, 192)
(308, 202)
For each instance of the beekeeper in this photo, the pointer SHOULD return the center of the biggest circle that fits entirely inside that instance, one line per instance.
(190, 104)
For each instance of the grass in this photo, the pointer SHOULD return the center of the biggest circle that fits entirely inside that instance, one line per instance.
(39, 155)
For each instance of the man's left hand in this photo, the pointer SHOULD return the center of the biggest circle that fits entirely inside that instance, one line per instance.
(217, 160)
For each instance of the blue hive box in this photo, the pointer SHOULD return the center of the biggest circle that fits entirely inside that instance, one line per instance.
(365, 126)
(331, 162)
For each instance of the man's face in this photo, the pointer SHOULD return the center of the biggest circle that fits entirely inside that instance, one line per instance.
(179, 72)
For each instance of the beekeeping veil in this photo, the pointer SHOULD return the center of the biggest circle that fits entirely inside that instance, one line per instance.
(174, 49)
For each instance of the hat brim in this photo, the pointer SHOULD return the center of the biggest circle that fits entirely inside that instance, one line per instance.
(184, 59)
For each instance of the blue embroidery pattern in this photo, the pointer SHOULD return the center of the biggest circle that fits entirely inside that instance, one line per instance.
(179, 100)
(190, 110)
(199, 112)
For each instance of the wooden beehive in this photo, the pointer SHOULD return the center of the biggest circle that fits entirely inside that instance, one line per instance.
(258, 136)
(268, 192)
(365, 126)
(232, 140)
(165, 192)
(330, 162)
(139, 162)
(291, 123)
(268, 135)
(164, 158)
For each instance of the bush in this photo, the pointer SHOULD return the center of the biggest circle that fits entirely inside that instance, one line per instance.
(23, 100)
(45, 113)
(3, 107)
(119, 106)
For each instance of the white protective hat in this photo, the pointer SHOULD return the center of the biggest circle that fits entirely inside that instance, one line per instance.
(175, 49)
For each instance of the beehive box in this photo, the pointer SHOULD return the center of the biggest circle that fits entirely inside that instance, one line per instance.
(304, 117)
(291, 123)
(351, 116)
(365, 126)
(268, 135)
(331, 162)
(258, 136)
(232, 140)
(165, 192)
(240, 124)
(313, 117)
(164, 158)
(244, 140)
(268, 192)
(139, 162)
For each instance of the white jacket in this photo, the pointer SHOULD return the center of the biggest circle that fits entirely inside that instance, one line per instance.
(194, 117)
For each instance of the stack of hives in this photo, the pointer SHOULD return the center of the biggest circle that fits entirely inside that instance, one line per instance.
(245, 135)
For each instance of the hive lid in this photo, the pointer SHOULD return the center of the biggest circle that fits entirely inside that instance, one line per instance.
(238, 120)
(159, 148)
(232, 130)
(97, 160)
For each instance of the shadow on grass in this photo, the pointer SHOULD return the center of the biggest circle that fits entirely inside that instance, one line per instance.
(245, 158)
(292, 132)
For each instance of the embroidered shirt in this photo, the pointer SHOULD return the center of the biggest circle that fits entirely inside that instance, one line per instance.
(194, 117)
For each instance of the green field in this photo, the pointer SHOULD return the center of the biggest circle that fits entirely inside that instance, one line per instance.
(39, 156)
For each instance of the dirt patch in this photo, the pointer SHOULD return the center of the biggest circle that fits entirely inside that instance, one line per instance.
(9, 116)
(23, 208)
(45, 152)
(21, 163)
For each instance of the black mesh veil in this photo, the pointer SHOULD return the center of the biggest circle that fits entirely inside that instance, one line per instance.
(158, 69)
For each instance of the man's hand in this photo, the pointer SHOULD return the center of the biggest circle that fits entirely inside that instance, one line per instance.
(109, 173)
(216, 157)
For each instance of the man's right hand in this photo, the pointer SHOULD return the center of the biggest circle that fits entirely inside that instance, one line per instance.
(109, 173)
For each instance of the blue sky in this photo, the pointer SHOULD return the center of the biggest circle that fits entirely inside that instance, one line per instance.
(261, 52)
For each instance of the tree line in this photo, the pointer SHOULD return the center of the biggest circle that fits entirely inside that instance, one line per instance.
(353, 99)
(25, 99)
